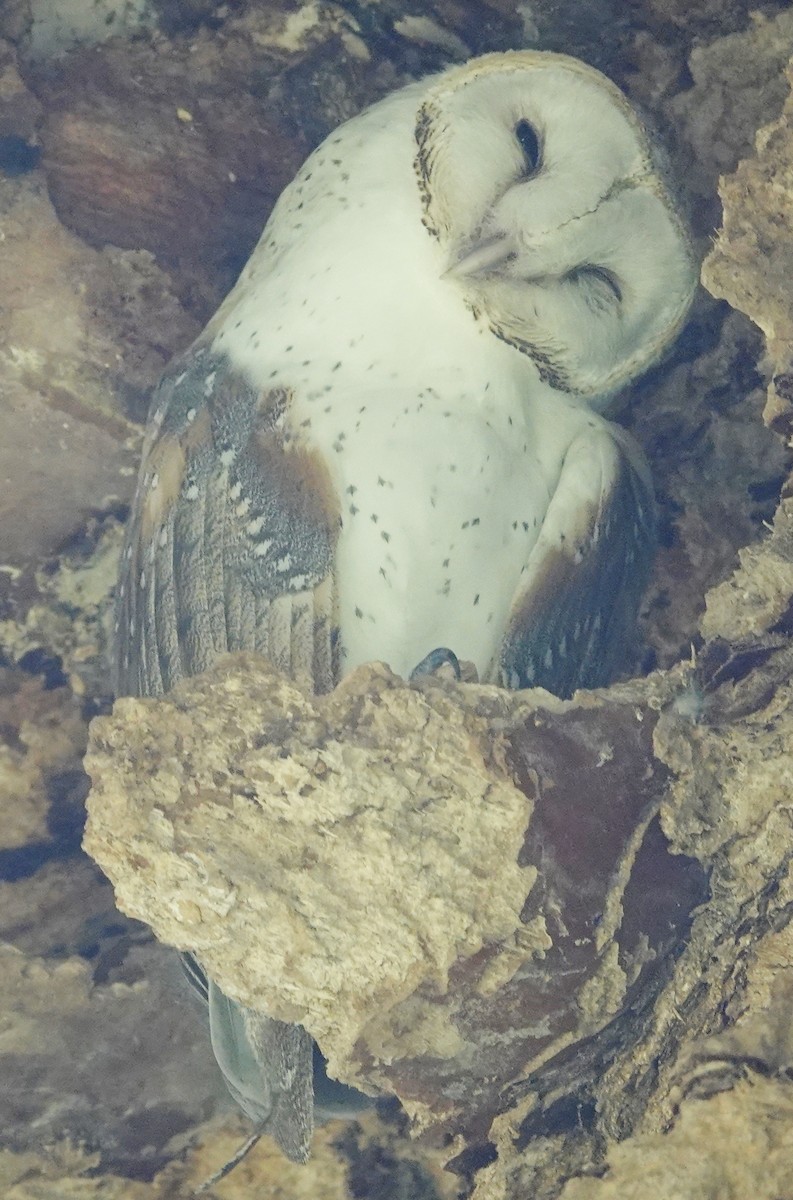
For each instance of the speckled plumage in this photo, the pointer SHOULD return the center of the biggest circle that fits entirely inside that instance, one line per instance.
(389, 438)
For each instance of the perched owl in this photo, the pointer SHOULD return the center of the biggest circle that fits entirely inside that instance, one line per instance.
(389, 438)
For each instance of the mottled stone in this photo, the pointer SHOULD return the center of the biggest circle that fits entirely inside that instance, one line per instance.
(66, 450)
(718, 473)
(119, 1067)
(739, 85)
(737, 1144)
(448, 875)
(751, 264)
(62, 1170)
(63, 453)
(42, 740)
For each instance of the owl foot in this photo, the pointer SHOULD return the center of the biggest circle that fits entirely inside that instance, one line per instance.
(435, 660)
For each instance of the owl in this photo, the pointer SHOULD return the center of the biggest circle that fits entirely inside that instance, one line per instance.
(391, 437)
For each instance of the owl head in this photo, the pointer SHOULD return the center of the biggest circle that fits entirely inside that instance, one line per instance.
(545, 194)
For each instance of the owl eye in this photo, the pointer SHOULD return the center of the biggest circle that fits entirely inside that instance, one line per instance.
(601, 278)
(529, 142)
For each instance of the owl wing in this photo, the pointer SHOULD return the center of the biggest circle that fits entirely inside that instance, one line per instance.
(230, 547)
(572, 623)
(231, 538)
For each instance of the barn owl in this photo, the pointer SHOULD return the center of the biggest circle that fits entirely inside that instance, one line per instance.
(390, 438)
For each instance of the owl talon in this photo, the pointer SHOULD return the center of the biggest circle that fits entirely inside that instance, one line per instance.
(435, 660)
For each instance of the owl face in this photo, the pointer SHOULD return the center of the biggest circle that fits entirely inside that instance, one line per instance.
(539, 182)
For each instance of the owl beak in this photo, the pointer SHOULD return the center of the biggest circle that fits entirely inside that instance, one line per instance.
(483, 258)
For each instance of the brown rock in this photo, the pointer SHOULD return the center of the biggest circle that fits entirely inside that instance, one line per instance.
(448, 876)
(737, 1144)
(751, 264)
(42, 738)
(62, 453)
(119, 1068)
(20, 111)
(739, 84)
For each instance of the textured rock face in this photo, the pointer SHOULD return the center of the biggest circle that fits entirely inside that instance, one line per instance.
(67, 1044)
(752, 262)
(42, 739)
(402, 870)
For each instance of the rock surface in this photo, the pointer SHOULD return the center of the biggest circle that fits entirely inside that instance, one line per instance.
(457, 855)
(42, 740)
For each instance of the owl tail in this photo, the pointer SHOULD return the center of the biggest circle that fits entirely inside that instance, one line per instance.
(268, 1068)
(274, 1071)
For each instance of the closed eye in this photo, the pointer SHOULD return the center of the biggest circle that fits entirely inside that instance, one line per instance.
(604, 281)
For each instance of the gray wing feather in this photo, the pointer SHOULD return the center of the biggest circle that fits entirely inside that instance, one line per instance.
(573, 620)
(151, 659)
(228, 548)
(216, 521)
(197, 639)
(268, 1067)
(247, 626)
(288, 1052)
(324, 648)
(279, 632)
(166, 616)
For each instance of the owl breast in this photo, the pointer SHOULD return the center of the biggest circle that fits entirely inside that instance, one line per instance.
(441, 499)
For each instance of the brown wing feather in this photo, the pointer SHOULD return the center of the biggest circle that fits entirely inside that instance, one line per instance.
(231, 539)
(573, 619)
